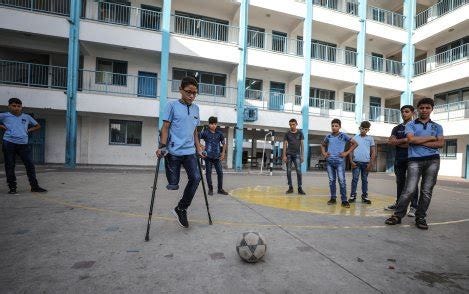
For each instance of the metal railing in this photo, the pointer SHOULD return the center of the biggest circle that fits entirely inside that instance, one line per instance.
(441, 8)
(274, 43)
(32, 75)
(124, 15)
(386, 16)
(386, 115)
(204, 29)
(274, 101)
(442, 59)
(328, 107)
(347, 6)
(451, 111)
(60, 7)
(208, 93)
(383, 65)
(329, 53)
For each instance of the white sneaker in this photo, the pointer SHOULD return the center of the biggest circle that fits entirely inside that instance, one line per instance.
(411, 212)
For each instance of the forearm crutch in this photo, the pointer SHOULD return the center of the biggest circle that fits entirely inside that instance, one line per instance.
(153, 193)
(205, 192)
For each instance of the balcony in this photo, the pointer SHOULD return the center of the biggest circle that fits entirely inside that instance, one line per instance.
(385, 16)
(440, 60)
(451, 111)
(347, 6)
(209, 94)
(385, 115)
(33, 75)
(58, 7)
(441, 8)
(383, 65)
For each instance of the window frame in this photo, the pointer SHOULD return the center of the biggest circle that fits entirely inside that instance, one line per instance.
(113, 73)
(125, 123)
(444, 149)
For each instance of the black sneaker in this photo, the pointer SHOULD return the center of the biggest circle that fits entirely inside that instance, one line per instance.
(352, 199)
(12, 191)
(300, 191)
(38, 189)
(391, 207)
(366, 200)
(290, 190)
(345, 204)
(181, 215)
(332, 201)
(421, 223)
(210, 190)
(222, 192)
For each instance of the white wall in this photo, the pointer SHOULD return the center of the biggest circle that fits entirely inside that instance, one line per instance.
(455, 167)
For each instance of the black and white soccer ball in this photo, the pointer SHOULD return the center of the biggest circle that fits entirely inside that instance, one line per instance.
(251, 247)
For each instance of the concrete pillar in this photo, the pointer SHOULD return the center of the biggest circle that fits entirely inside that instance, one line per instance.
(229, 149)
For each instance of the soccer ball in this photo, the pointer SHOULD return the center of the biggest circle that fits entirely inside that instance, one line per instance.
(251, 247)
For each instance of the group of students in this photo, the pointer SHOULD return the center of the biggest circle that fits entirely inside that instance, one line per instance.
(417, 159)
(361, 152)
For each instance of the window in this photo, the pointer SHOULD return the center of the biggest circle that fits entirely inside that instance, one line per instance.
(332, 4)
(352, 8)
(125, 132)
(454, 51)
(114, 11)
(453, 97)
(111, 72)
(209, 83)
(255, 37)
(449, 149)
(201, 26)
(253, 89)
(150, 17)
(349, 102)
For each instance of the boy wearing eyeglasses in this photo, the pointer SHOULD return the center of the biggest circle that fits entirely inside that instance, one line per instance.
(179, 143)
(362, 159)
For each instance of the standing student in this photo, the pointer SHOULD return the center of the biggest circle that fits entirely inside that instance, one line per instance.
(293, 154)
(15, 142)
(333, 149)
(180, 143)
(213, 138)
(424, 137)
(362, 160)
(399, 140)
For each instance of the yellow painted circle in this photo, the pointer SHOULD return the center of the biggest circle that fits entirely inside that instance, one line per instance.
(315, 201)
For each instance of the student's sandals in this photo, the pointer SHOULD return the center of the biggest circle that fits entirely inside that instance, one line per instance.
(393, 220)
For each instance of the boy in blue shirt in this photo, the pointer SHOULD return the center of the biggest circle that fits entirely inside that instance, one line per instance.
(362, 160)
(179, 143)
(424, 137)
(213, 139)
(335, 154)
(15, 141)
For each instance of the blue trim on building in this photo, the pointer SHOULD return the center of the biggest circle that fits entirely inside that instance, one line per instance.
(408, 51)
(361, 45)
(72, 84)
(164, 70)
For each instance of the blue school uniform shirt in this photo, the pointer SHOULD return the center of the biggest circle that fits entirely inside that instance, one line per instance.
(401, 152)
(213, 142)
(362, 152)
(17, 127)
(336, 145)
(184, 119)
(419, 129)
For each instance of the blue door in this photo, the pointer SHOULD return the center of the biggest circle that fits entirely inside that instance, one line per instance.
(147, 82)
(277, 96)
(37, 143)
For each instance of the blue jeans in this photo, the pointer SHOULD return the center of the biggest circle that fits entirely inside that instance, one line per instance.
(428, 171)
(10, 150)
(400, 170)
(336, 169)
(208, 171)
(360, 169)
(173, 170)
(296, 160)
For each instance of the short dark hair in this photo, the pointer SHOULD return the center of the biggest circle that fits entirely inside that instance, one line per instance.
(336, 121)
(426, 101)
(15, 100)
(409, 107)
(365, 124)
(186, 81)
(293, 120)
(212, 120)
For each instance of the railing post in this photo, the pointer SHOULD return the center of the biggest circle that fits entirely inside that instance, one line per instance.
(29, 74)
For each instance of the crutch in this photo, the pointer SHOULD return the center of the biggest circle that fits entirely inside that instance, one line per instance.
(205, 192)
(147, 236)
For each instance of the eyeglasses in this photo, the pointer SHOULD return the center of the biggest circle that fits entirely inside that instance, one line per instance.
(189, 93)
(364, 129)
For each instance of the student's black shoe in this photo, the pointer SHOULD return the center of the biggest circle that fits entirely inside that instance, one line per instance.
(352, 199)
(181, 215)
(391, 207)
(393, 220)
(38, 189)
(290, 190)
(222, 192)
(345, 204)
(366, 200)
(12, 191)
(210, 190)
(421, 223)
(300, 191)
(332, 201)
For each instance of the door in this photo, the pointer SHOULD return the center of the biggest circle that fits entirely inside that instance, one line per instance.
(37, 143)
(277, 96)
(375, 108)
(147, 82)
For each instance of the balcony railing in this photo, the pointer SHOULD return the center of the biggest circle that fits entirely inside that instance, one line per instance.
(347, 6)
(274, 43)
(328, 107)
(386, 115)
(59, 7)
(204, 29)
(208, 93)
(124, 15)
(451, 111)
(441, 8)
(330, 54)
(32, 75)
(383, 65)
(386, 16)
(442, 59)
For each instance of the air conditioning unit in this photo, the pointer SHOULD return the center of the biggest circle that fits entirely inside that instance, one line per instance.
(250, 114)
